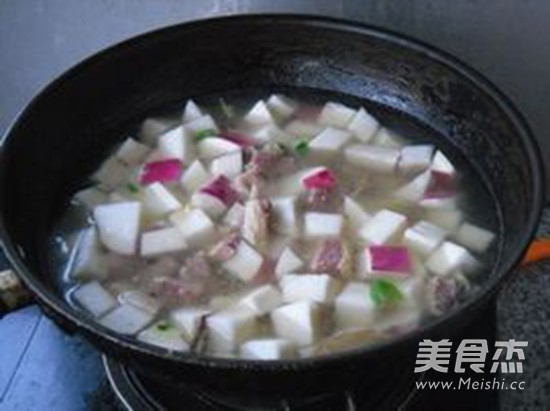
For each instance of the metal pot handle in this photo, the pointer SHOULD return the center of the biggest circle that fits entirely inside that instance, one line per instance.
(13, 294)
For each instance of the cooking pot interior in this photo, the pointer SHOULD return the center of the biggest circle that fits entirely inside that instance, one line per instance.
(66, 131)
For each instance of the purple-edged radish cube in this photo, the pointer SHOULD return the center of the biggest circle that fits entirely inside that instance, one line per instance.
(388, 261)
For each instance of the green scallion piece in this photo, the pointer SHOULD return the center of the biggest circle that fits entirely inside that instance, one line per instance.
(385, 293)
(301, 147)
(163, 326)
(202, 134)
(132, 188)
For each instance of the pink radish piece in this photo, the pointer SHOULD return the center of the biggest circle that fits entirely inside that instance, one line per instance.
(163, 171)
(441, 186)
(220, 187)
(389, 260)
(323, 178)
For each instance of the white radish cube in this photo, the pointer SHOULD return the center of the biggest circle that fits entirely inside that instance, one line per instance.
(195, 225)
(131, 152)
(378, 159)
(112, 174)
(280, 106)
(165, 240)
(158, 200)
(353, 308)
(300, 128)
(202, 123)
(230, 165)
(356, 215)
(224, 302)
(94, 298)
(118, 226)
(384, 226)
(191, 112)
(210, 204)
(284, 211)
(424, 237)
(271, 132)
(154, 127)
(262, 300)
(415, 158)
(322, 224)
(188, 320)
(235, 216)
(330, 139)
(386, 138)
(194, 177)
(259, 114)
(177, 143)
(213, 147)
(336, 114)
(441, 164)
(91, 197)
(321, 288)
(447, 219)
(292, 184)
(89, 260)
(126, 319)
(414, 190)
(140, 300)
(298, 322)
(392, 261)
(448, 258)
(448, 203)
(363, 126)
(165, 335)
(475, 238)
(245, 263)
(268, 349)
(288, 262)
(228, 329)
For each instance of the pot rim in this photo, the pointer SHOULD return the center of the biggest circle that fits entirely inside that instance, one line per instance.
(59, 307)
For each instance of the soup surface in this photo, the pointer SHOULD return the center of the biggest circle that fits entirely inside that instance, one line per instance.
(274, 230)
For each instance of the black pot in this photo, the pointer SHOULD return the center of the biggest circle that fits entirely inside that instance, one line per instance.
(68, 128)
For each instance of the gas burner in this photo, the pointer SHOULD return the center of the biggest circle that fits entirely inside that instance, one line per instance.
(138, 392)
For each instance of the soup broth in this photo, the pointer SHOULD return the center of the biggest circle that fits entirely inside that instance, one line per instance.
(276, 228)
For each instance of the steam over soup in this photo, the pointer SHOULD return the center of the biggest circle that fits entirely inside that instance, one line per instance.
(290, 230)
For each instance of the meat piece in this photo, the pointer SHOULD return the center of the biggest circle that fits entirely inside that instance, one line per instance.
(194, 279)
(266, 273)
(197, 267)
(176, 290)
(272, 160)
(305, 112)
(244, 182)
(225, 248)
(441, 294)
(256, 222)
(333, 257)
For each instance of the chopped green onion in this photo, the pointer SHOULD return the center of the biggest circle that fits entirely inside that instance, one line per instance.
(202, 134)
(132, 188)
(384, 293)
(301, 147)
(164, 326)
